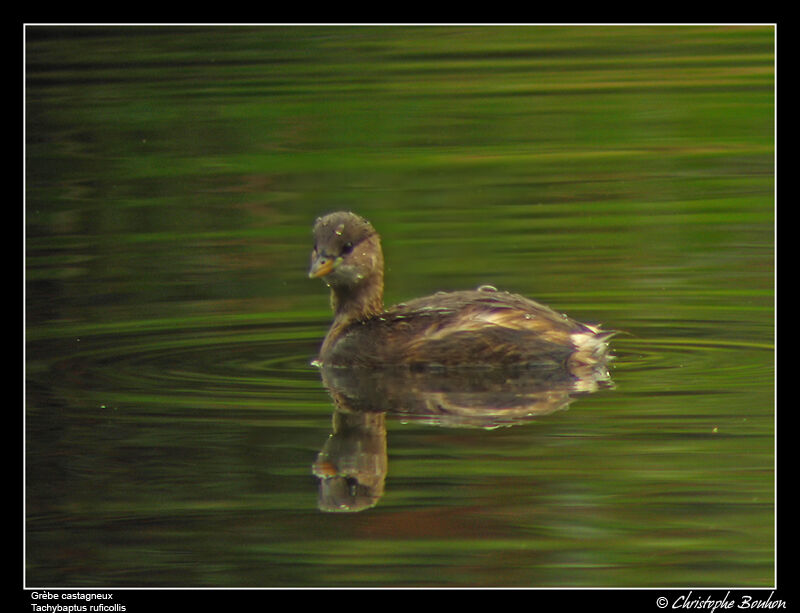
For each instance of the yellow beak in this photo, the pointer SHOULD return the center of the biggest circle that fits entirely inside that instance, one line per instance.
(322, 266)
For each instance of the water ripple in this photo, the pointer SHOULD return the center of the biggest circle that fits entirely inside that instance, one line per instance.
(228, 364)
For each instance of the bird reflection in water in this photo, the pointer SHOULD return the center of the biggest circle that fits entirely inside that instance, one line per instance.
(353, 462)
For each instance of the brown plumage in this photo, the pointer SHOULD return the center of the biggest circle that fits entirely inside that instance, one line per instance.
(482, 327)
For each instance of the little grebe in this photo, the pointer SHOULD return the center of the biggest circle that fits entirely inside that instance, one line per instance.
(482, 327)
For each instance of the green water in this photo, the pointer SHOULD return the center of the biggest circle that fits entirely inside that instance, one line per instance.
(623, 175)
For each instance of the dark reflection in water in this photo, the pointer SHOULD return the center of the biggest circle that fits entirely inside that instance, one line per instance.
(353, 463)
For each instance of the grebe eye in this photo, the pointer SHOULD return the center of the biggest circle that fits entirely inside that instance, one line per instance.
(347, 248)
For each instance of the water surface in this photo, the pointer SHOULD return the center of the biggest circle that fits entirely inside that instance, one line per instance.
(623, 175)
